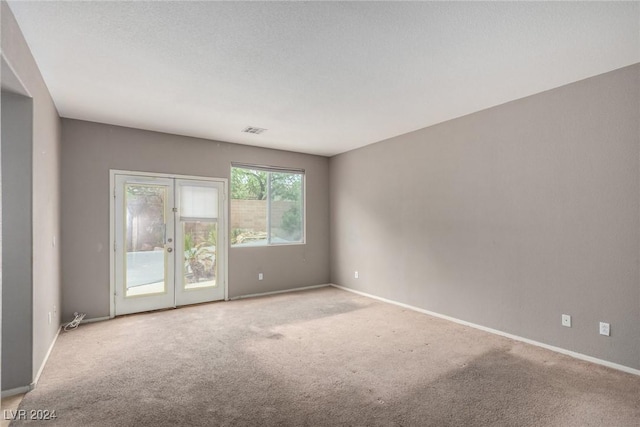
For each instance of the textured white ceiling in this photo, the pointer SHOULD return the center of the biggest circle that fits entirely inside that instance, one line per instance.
(323, 78)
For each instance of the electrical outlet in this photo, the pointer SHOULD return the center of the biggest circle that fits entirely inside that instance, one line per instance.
(260, 276)
(566, 320)
(355, 275)
(605, 329)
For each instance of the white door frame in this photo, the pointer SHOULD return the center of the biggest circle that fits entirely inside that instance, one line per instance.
(223, 243)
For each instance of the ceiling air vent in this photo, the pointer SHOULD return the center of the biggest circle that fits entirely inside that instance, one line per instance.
(255, 130)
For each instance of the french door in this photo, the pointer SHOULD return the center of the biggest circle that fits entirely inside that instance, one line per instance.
(169, 242)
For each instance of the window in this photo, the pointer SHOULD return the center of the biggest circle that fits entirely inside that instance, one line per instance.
(267, 206)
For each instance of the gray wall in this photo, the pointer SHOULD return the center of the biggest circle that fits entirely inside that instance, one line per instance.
(44, 192)
(17, 310)
(506, 218)
(90, 150)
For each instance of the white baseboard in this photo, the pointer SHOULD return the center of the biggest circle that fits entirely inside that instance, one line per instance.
(44, 362)
(17, 390)
(28, 388)
(501, 333)
(280, 292)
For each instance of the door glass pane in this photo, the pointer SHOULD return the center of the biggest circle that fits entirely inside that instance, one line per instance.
(200, 267)
(144, 239)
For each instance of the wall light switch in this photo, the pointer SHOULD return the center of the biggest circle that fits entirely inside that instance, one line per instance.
(260, 277)
(566, 320)
(605, 329)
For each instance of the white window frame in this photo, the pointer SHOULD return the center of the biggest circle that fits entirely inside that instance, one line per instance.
(270, 169)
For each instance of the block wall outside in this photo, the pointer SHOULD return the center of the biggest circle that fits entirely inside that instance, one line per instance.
(252, 214)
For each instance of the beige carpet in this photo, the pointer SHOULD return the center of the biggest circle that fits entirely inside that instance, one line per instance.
(317, 358)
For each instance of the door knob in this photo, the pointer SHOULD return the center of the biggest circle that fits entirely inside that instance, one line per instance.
(169, 249)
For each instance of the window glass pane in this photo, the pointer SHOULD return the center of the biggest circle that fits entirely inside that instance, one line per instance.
(198, 202)
(248, 206)
(286, 208)
(266, 206)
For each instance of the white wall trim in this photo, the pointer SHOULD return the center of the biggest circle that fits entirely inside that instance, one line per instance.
(18, 390)
(44, 361)
(281, 292)
(500, 333)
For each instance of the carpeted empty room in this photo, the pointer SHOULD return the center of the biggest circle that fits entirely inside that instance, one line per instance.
(326, 213)
(318, 357)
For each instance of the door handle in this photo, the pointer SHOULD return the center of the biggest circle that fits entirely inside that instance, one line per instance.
(169, 249)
